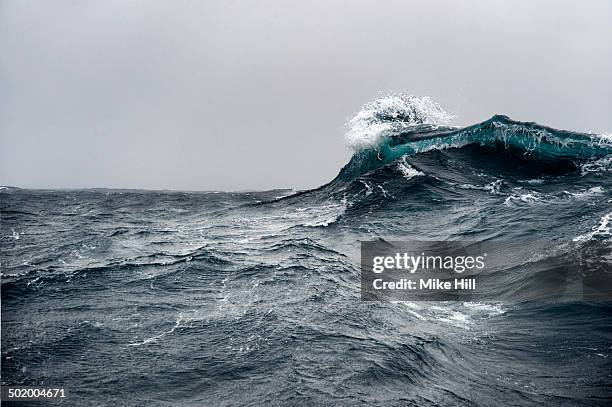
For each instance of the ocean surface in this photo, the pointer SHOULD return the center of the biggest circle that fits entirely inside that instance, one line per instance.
(160, 298)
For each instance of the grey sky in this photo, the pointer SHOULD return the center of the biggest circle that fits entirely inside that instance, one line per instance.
(255, 94)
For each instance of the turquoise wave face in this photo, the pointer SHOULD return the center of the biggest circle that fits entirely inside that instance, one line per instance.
(534, 140)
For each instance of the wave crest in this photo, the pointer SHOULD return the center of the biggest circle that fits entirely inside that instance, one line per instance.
(392, 113)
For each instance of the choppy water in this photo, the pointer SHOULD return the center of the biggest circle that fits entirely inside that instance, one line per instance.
(189, 298)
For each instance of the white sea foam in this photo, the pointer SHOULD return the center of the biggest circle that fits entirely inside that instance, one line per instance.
(587, 193)
(604, 138)
(537, 181)
(407, 170)
(494, 187)
(384, 191)
(390, 112)
(368, 188)
(523, 198)
(463, 315)
(489, 309)
(599, 165)
(601, 230)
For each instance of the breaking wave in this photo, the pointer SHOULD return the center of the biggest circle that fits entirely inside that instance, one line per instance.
(396, 126)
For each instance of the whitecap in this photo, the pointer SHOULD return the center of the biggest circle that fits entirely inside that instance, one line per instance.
(407, 170)
(528, 198)
(391, 112)
(601, 230)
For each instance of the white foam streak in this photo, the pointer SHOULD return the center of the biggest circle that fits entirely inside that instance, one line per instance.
(161, 335)
(407, 170)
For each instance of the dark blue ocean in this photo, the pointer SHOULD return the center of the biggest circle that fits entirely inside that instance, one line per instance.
(161, 298)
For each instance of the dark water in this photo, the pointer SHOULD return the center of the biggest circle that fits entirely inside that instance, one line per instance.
(172, 298)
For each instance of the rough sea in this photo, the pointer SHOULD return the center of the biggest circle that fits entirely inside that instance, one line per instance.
(161, 298)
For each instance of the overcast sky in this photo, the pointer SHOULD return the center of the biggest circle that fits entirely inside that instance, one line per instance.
(232, 95)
